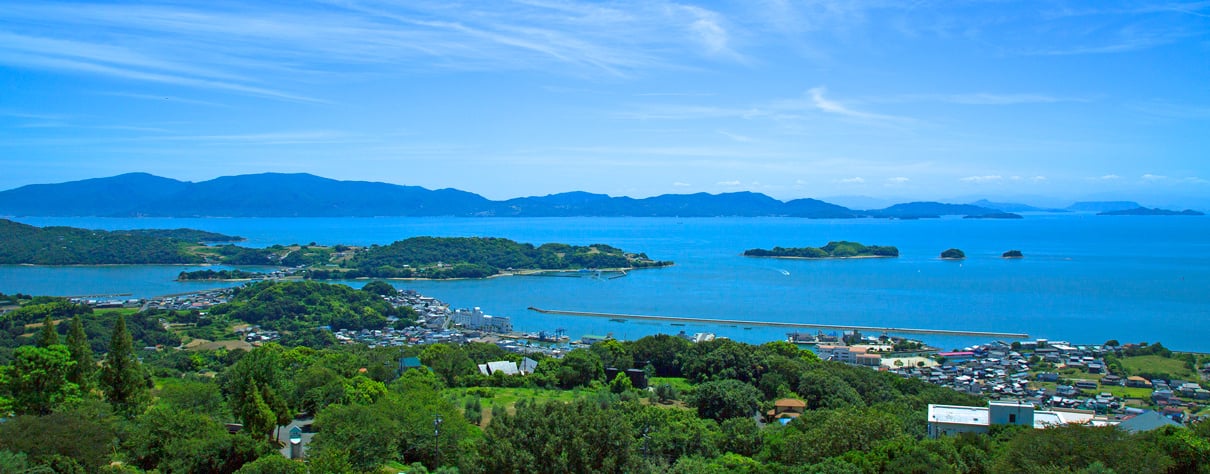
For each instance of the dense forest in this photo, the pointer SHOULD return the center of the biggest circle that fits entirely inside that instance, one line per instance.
(841, 249)
(477, 257)
(306, 304)
(144, 327)
(76, 407)
(187, 235)
(219, 275)
(26, 244)
(416, 257)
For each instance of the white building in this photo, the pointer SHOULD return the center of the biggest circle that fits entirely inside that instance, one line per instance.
(950, 420)
(475, 319)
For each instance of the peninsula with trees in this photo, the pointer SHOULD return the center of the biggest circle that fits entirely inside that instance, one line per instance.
(416, 257)
(835, 249)
(477, 257)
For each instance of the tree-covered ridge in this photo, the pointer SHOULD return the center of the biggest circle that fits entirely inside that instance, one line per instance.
(835, 249)
(187, 235)
(299, 305)
(219, 275)
(26, 244)
(478, 257)
(19, 327)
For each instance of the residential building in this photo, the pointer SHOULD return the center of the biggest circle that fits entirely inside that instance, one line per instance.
(785, 410)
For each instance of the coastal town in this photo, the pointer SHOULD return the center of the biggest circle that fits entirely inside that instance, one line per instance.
(1074, 380)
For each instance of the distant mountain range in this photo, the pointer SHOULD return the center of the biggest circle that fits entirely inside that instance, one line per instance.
(305, 195)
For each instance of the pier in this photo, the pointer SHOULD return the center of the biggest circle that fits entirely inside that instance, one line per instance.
(740, 322)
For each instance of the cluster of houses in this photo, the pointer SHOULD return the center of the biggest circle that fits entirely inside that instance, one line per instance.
(409, 336)
(436, 314)
(1003, 373)
(193, 301)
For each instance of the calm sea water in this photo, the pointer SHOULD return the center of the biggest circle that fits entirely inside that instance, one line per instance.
(1085, 279)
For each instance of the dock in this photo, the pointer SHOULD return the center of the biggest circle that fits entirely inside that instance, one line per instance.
(739, 322)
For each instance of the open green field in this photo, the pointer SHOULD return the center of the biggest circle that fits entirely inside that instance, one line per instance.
(508, 397)
(116, 311)
(1157, 364)
(1127, 392)
(679, 383)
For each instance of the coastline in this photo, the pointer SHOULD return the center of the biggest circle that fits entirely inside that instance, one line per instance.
(855, 257)
(498, 275)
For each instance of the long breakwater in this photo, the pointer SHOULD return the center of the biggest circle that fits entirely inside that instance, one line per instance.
(741, 322)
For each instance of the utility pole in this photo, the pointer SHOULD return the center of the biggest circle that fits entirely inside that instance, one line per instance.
(437, 440)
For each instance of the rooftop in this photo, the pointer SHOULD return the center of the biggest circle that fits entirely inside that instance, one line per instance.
(958, 415)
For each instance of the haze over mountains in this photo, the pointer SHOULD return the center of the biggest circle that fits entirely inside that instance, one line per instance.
(305, 195)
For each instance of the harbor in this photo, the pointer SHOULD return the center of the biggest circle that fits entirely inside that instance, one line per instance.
(738, 322)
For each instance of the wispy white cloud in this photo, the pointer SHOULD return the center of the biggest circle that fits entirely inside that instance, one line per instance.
(981, 179)
(1108, 177)
(1038, 179)
(245, 47)
(706, 28)
(729, 183)
(853, 180)
(819, 101)
(983, 98)
(897, 180)
(165, 98)
(680, 184)
(1173, 110)
(1153, 177)
(690, 112)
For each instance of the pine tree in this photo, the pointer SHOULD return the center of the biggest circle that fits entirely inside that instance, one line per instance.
(122, 375)
(82, 373)
(47, 336)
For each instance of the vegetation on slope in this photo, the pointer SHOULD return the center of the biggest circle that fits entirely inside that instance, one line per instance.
(26, 244)
(306, 304)
(477, 257)
(841, 249)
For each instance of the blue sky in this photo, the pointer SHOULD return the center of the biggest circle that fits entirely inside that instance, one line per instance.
(894, 99)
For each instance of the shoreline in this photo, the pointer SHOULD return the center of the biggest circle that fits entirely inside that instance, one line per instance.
(855, 257)
(498, 275)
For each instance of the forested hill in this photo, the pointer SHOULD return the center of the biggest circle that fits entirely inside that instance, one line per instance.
(478, 257)
(304, 195)
(26, 244)
(303, 305)
(841, 249)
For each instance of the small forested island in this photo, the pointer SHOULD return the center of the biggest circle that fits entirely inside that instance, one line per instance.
(1012, 254)
(953, 254)
(836, 249)
(1144, 211)
(995, 215)
(220, 275)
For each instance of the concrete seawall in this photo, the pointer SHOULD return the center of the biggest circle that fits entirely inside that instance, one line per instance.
(740, 322)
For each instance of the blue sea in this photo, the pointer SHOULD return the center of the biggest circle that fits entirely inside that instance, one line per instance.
(1084, 278)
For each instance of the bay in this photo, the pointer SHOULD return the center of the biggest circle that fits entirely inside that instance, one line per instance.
(1084, 278)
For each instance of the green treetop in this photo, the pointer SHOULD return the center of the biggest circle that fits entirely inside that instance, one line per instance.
(122, 375)
(82, 372)
(47, 336)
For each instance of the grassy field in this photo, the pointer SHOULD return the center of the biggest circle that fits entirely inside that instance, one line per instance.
(1127, 392)
(116, 311)
(679, 383)
(508, 397)
(1157, 364)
